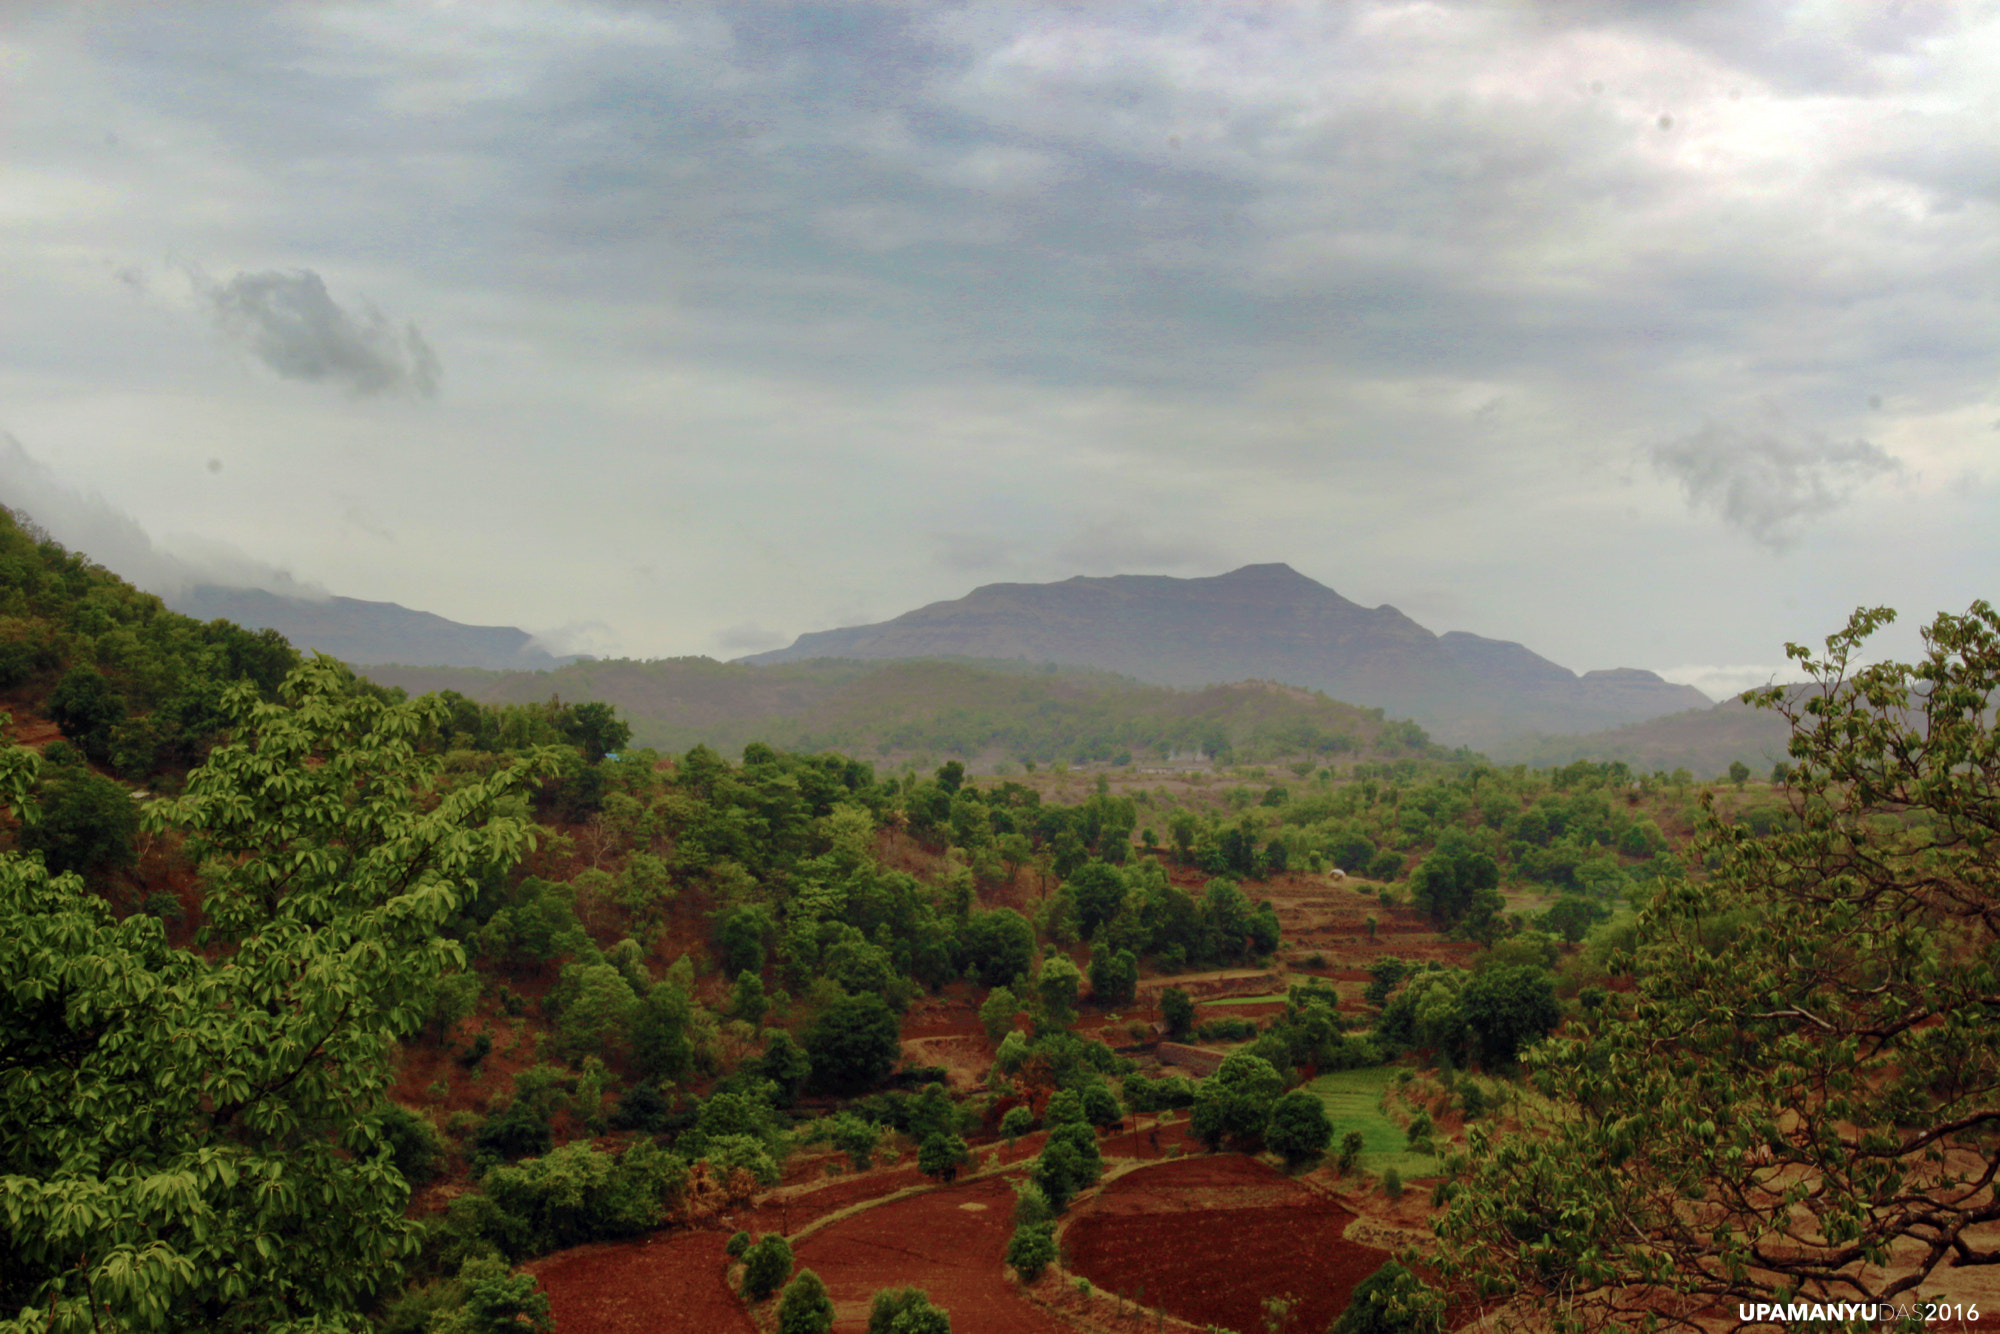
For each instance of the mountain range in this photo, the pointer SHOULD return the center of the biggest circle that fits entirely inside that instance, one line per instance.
(356, 631)
(1266, 622)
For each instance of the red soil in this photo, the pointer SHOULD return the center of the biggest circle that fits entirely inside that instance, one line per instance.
(951, 1243)
(667, 1283)
(1208, 1239)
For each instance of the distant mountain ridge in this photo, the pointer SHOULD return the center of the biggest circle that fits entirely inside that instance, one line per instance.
(356, 631)
(1266, 622)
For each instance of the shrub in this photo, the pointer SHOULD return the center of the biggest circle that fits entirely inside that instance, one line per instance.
(766, 1265)
(415, 1147)
(941, 1156)
(1350, 1150)
(739, 1242)
(579, 1193)
(906, 1311)
(515, 1131)
(1031, 1250)
(1017, 1122)
(1392, 1182)
(805, 1308)
(1391, 1300)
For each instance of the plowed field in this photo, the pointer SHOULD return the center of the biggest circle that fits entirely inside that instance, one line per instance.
(1208, 1239)
(951, 1243)
(668, 1283)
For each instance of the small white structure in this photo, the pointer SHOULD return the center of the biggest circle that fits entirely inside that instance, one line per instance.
(1337, 874)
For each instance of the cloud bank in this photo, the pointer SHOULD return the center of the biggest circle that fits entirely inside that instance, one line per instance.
(86, 523)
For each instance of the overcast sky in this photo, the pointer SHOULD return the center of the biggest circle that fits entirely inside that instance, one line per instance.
(1645, 334)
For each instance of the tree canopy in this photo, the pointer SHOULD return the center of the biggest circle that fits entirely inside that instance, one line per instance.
(1807, 1070)
(177, 1125)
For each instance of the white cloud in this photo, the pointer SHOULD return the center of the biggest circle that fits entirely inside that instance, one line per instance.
(289, 322)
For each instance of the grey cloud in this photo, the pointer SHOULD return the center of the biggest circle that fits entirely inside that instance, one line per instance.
(289, 322)
(1770, 480)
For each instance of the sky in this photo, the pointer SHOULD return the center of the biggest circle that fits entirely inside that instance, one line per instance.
(1647, 335)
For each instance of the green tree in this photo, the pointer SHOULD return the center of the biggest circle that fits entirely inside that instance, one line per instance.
(661, 1047)
(1100, 893)
(1057, 989)
(1298, 1128)
(941, 1155)
(85, 823)
(1017, 1122)
(906, 1311)
(1177, 1011)
(1235, 1102)
(1808, 1050)
(595, 729)
(853, 1045)
(496, 1300)
(1391, 1300)
(766, 1266)
(1031, 1250)
(1351, 1145)
(996, 1013)
(805, 1308)
(1739, 773)
(86, 707)
(1114, 976)
(1507, 1009)
(999, 946)
(177, 1127)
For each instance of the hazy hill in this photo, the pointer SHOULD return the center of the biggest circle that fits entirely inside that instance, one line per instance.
(1702, 741)
(1265, 622)
(995, 711)
(362, 632)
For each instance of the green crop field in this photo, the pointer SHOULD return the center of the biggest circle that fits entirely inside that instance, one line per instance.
(1353, 1102)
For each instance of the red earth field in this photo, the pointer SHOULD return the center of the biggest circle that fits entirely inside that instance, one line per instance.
(1208, 1239)
(667, 1283)
(950, 1242)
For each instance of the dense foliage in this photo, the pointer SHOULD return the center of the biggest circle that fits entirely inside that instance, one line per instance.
(1806, 1073)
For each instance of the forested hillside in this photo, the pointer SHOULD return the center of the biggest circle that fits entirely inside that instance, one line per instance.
(365, 1011)
(922, 713)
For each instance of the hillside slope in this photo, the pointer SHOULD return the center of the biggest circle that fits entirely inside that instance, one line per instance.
(936, 708)
(1265, 622)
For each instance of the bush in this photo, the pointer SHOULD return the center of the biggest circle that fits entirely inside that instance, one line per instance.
(1392, 1182)
(739, 1242)
(496, 1301)
(1031, 1250)
(1298, 1128)
(515, 1131)
(766, 1265)
(854, 1044)
(906, 1311)
(1017, 1122)
(579, 1193)
(1350, 1151)
(1391, 1300)
(941, 1156)
(1177, 1011)
(1100, 1107)
(805, 1308)
(416, 1150)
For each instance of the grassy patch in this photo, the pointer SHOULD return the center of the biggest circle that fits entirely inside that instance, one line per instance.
(1353, 1102)
(1278, 999)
